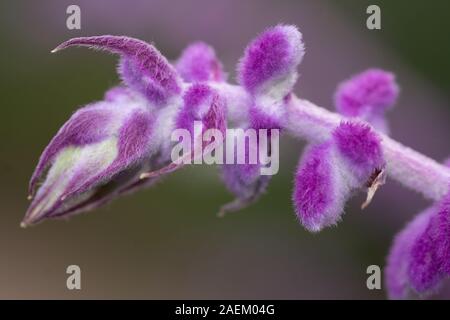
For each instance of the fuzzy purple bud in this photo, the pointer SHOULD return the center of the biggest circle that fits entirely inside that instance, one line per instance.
(419, 259)
(245, 182)
(397, 279)
(201, 104)
(430, 252)
(330, 171)
(198, 62)
(268, 71)
(270, 61)
(99, 142)
(197, 101)
(318, 188)
(142, 66)
(371, 91)
(360, 146)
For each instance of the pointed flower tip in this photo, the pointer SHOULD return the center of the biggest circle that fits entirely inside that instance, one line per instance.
(62, 45)
(78, 41)
(201, 103)
(367, 94)
(272, 59)
(142, 67)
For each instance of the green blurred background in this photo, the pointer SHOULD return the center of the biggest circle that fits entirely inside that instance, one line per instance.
(166, 242)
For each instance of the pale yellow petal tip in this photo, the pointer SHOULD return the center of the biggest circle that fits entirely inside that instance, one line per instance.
(29, 197)
(23, 225)
(54, 50)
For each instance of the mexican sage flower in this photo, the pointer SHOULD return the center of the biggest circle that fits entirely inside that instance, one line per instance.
(123, 143)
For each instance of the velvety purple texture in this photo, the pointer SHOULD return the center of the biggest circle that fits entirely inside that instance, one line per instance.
(261, 120)
(215, 118)
(360, 146)
(193, 100)
(88, 125)
(245, 182)
(198, 62)
(399, 258)
(430, 252)
(371, 91)
(273, 55)
(314, 191)
(142, 66)
(419, 260)
(134, 137)
(201, 103)
(133, 145)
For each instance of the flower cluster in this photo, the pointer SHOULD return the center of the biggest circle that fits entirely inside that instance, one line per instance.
(106, 147)
(123, 143)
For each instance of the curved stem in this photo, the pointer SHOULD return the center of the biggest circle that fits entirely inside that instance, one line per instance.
(313, 123)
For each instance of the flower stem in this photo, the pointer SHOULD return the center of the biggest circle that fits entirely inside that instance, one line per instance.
(314, 124)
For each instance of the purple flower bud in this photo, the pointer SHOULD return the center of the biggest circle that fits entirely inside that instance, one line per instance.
(367, 95)
(142, 67)
(270, 61)
(419, 259)
(200, 103)
(268, 72)
(360, 146)
(198, 62)
(244, 181)
(93, 148)
(397, 279)
(319, 191)
(430, 252)
(369, 91)
(198, 100)
(329, 172)
(247, 191)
